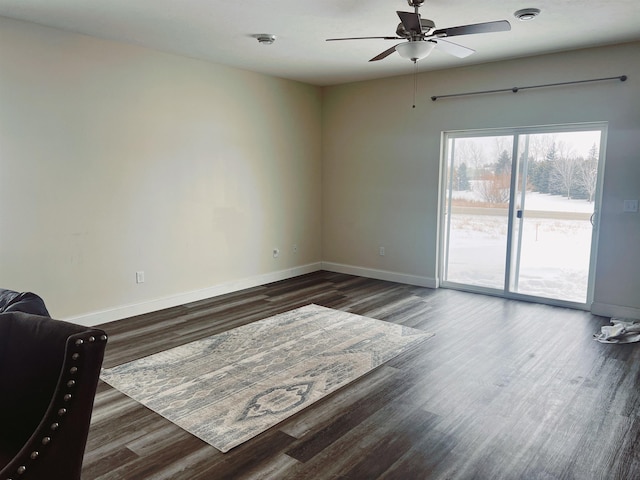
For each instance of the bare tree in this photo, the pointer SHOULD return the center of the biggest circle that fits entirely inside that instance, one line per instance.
(539, 145)
(587, 175)
(564, 172)
(494, 188)
(470, 152)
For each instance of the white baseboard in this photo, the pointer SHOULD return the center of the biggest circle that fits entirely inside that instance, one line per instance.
(96, 318)
(608, 310)
(381, 274)
(117, 313)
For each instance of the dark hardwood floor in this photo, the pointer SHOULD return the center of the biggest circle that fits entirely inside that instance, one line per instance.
(505, 390)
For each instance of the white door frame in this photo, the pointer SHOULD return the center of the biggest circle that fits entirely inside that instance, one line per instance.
(444, 220)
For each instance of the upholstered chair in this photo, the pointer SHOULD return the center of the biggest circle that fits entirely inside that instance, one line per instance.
(49, 371)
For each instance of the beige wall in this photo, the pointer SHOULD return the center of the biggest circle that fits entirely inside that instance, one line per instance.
(115, 159)
(381, 159)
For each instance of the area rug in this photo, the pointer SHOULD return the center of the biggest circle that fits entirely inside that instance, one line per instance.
(228, 388)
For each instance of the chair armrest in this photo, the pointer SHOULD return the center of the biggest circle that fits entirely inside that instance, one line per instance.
(57, 443)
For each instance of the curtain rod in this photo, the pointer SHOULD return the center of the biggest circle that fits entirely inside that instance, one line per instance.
(622, 78)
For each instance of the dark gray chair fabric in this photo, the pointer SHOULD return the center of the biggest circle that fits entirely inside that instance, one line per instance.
(49, 371)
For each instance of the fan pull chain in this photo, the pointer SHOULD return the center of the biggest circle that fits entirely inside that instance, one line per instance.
(415, 82)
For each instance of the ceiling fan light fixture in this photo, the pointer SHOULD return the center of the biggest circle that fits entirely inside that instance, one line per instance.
(415, 50)
(527, 14)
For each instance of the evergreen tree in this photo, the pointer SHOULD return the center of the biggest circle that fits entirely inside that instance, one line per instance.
(463, 179)
(549, 162)
(504, 163)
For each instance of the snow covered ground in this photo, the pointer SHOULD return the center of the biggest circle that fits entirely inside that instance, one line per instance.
(554, 253)
(556, 203)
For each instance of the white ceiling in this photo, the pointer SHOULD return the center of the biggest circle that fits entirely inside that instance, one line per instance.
(221, 30)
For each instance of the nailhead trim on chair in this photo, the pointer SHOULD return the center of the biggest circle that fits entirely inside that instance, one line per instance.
(67, 398)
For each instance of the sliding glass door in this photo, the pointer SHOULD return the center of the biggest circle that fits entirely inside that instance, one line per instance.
(519, 210)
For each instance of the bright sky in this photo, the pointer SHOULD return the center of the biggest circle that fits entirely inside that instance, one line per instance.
(486, 149)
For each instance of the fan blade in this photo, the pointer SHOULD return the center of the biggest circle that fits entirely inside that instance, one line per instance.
(452, 48)
(363, 38)
(487, 27)
(411, 21)
(384, 54)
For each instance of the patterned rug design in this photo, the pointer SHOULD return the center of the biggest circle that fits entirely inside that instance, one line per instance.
(228, 388)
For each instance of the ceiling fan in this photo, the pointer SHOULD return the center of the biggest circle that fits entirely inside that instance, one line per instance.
(421, 36)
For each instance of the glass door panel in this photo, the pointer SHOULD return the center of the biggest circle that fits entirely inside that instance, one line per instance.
(554, 207)
(477, 210)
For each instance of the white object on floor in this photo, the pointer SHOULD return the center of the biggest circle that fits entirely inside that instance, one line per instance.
(620, 331)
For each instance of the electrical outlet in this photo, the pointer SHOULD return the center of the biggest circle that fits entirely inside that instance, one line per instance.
(276, 253)
(140, 277)
(381, 251)
(630, 206)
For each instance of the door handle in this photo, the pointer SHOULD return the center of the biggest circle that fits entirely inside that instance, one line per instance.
(591, 219)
